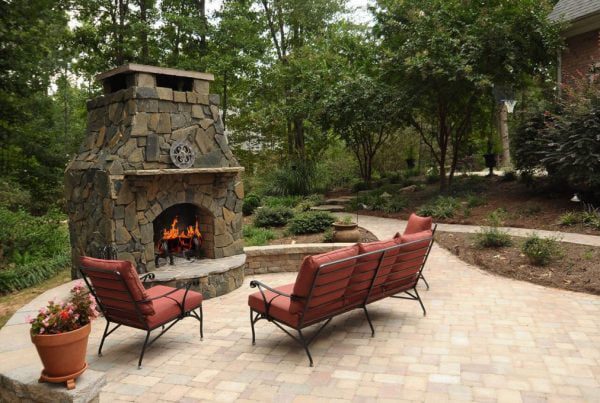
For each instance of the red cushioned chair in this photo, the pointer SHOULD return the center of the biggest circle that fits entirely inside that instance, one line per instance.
(123, 300)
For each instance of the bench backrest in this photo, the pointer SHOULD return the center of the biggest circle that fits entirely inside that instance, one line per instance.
(338, 281)
(118, 290)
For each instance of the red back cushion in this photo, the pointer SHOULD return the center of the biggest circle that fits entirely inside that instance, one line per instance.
(366, 267)
(411, 257)
(111, 293)
(329, 282)
(417, 224)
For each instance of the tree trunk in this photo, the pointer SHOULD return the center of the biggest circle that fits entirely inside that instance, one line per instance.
(145, 56)
(299, 137)
(504, 136)
(225, 99)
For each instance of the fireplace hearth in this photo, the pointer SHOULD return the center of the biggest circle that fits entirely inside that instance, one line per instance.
(155, 179)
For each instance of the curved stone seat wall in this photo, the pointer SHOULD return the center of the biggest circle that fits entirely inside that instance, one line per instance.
(283, 258)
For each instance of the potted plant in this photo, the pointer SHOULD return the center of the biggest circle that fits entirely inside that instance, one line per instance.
(60, 334)
(346, 230)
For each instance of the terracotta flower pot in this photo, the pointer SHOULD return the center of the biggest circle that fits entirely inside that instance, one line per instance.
(345, 232)
(63, 355)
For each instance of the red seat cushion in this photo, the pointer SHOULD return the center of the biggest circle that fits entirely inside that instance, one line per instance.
(280, 305)
(330, 283)
(111, 292)
(166, 308)
(365, 269)
(417, 224)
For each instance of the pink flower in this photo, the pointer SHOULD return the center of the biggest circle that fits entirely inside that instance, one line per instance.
(41, 330)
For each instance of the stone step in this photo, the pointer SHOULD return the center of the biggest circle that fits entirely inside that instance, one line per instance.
(328, 207)
(339, 200)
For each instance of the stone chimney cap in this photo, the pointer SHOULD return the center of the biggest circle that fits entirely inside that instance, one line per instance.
(142, 68)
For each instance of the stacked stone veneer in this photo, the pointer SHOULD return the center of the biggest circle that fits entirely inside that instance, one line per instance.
(123, 177)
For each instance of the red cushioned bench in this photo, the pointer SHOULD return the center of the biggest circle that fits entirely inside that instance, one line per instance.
(350, 278)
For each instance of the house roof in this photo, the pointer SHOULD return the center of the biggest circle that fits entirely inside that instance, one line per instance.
(574, 10)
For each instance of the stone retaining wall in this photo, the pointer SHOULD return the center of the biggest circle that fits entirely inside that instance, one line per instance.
(283, 258)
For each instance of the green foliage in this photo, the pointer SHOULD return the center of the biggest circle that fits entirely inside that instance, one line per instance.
(492, 236)
(254, 236)
(474, 200)
(282, 201)
(273, 216)
(541, 251)
(292, 179)
(444, 56)
(591, 218)
(569, 218)
(310, 222)
(32, 249)
(251, 202)
(347, 219)
(441, 207)
(328, 236)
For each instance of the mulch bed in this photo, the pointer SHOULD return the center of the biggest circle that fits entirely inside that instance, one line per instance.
(578, 269)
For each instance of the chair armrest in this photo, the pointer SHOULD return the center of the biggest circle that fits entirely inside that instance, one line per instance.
(181, 304)
(147, 276)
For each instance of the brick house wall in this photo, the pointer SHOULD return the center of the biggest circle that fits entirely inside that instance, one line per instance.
(581, 53)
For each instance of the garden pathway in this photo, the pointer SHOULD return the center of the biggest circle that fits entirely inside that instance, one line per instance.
(382, 227)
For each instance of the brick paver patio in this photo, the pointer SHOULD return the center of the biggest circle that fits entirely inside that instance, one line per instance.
(485, 338)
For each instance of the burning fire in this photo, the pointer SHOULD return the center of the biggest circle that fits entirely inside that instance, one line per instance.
(175, 233)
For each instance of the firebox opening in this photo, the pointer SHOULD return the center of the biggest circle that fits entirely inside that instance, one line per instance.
(184, 231)
(174, 83)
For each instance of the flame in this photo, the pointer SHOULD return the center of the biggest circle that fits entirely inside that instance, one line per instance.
(175, 233)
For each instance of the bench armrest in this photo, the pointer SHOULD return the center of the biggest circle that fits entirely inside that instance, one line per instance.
(256, 283)
(261, 286)
(147, 276)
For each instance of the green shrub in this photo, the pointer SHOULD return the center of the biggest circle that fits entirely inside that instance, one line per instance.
(492, 236)
(591, 218)
(310, 222)
(474, 201)
(310, 201)
(38, 237)
(441, 207)
(541, 251)
(251, 202)
(569, 218)
(32, 249)
(282, 201)
(395, 204)
(328, 235)
(257, 236)
(273, 216)
(293, 178)
(33, 272)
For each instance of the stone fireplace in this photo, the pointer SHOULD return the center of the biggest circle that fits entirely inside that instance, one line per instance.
(155, 158)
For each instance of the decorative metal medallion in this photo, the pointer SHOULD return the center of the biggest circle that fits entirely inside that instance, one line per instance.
(182, 154)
